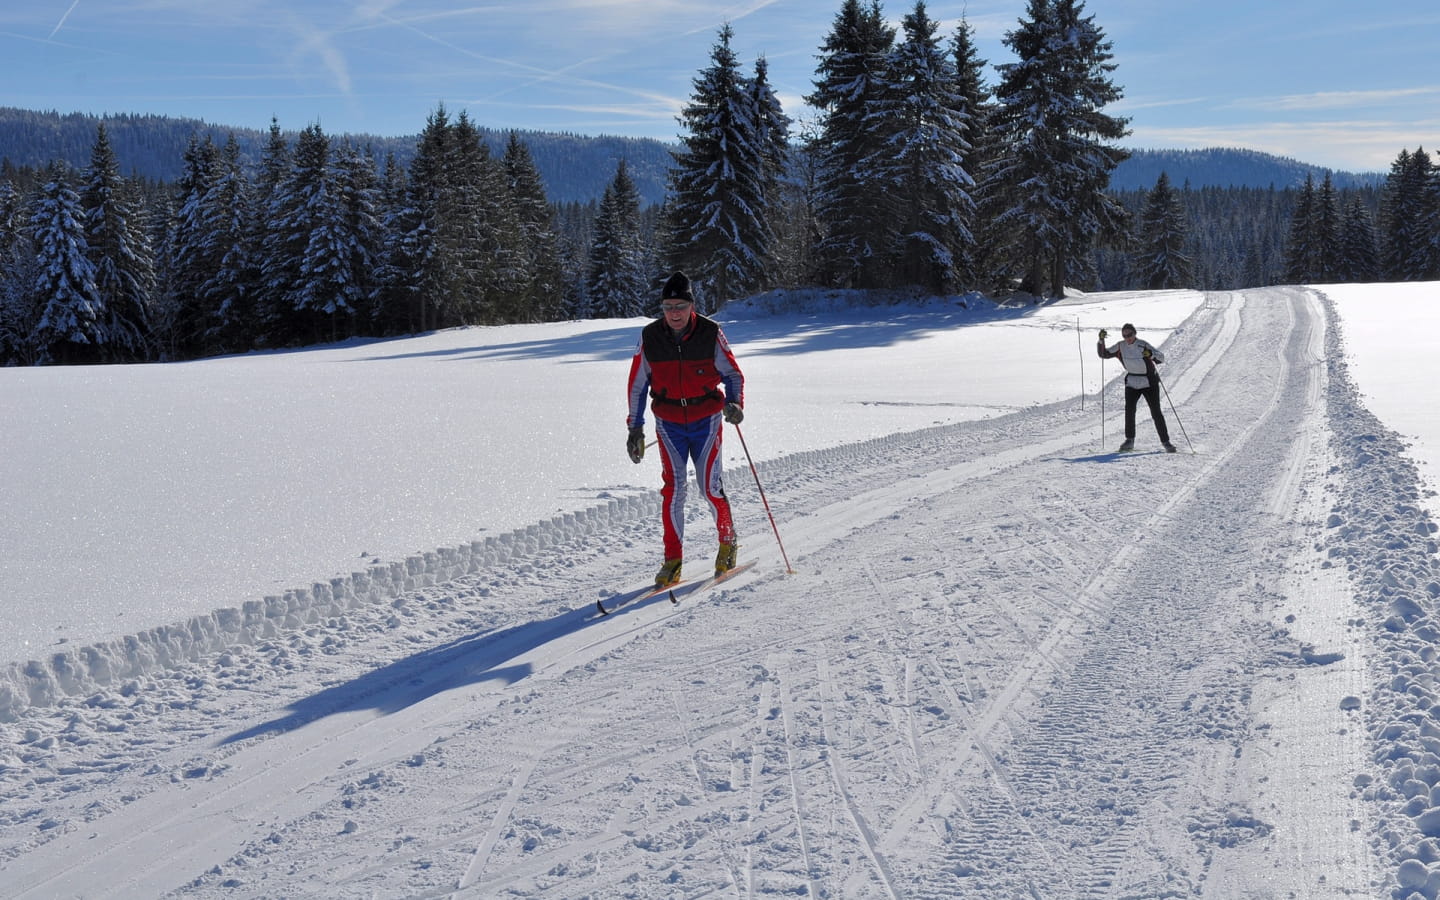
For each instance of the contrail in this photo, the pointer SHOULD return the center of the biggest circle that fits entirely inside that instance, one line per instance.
(60, 24)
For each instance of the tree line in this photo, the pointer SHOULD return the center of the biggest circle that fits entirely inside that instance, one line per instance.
(917, 173)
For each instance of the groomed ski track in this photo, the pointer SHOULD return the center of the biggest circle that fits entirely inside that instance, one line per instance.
(1011, 664)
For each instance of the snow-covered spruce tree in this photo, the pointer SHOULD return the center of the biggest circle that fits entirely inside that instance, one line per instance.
(496, 257)
(1300, 247)
(306, 257)
(1162, 261)
(785, 261)
(452, 250)
(359, 195)
(1409, 208)
(18, 277)
(1049, 199)
(265, 273)
(1329, 255)
(1360, 260)
(71, 323)
(398, 307)
(617, 286)
(972, 263)
(192, 255)
(717, 226)
(228, 294)
(120, 252)
(852, 242)
(541, 299)
(919, 120)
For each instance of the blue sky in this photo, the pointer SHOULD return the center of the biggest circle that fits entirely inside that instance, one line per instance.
(1336, 84)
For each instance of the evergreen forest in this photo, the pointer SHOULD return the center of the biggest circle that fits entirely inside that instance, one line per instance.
(926, 171)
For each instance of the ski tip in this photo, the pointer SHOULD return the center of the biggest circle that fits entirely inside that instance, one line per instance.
(600, 606)
(673, 598)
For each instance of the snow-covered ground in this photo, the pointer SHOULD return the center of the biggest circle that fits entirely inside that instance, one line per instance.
(1010, 662)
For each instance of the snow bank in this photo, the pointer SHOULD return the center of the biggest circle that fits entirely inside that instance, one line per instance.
(1380, 531)
(119, 664)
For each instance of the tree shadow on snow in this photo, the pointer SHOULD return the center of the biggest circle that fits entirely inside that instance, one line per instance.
(475, 659)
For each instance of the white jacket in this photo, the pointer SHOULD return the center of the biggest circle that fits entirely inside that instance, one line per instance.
(1132, 357)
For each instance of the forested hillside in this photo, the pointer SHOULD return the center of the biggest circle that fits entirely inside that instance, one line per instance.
(575, 168)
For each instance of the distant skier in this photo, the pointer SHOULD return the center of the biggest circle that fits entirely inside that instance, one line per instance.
(680, 364)
(1141, 379)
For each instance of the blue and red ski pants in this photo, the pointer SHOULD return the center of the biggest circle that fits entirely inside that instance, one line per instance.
(681, 443)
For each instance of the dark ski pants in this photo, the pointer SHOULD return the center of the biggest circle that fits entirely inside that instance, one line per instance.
(1152, 397)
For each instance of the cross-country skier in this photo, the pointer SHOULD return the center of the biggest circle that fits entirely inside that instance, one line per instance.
(680, 365)
(1139, 359)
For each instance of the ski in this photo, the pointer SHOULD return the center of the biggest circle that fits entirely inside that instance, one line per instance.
(685, 587)
(710, 582)
(644, 594)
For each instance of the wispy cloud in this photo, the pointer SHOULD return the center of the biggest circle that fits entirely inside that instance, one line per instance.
(1356, 145)
(61, 23)
(1335, 99)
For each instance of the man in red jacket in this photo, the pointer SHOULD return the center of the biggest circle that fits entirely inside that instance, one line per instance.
(680, 365)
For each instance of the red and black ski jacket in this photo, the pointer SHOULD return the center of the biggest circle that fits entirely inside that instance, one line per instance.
(682, 374)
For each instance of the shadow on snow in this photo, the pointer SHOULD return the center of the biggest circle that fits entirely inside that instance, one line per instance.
(492, 656)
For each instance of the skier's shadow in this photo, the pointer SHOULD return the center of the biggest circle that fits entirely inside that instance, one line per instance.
(473, 659)
(1108, 457)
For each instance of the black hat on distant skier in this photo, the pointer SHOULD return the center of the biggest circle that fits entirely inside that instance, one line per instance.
(677, 287)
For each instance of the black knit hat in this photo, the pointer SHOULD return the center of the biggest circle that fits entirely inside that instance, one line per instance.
(677, 288)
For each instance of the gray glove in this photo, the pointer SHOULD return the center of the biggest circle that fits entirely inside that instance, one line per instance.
(635, 444)
(734, 414)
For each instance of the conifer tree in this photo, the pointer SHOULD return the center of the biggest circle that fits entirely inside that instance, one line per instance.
(718, 228)
(1162, 261)
(18, 277)
(1051, 175)
(772, 137)
(616, 285)
(191, 254)
(543, 294)
(267, 266)
(1409, 210)
(71, 323)
(398, 306)
(852, 246)
(919, 118)
(1360, 258)
(1328, 260)
(973, 267)
(496, 258)
(120, 252)
(1301, 250)
(228, 291)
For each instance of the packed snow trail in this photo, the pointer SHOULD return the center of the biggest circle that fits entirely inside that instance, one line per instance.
(1012, 663)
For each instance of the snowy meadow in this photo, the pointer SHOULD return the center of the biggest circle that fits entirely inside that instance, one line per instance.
(321, 623)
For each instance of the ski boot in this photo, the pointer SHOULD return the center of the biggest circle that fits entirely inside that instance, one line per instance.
(725, 559)
(1128, 445)
(669, 573)
(1169, 447)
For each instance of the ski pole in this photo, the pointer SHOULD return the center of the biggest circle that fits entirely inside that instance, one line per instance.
(788, 570)
(1173, 411)
(1102, 403)
(1080, 345)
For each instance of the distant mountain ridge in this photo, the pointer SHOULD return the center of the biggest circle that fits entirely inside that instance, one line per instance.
(576, 168)
(1228, 167)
